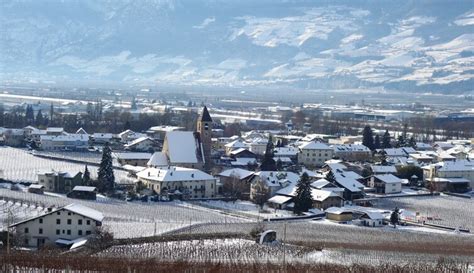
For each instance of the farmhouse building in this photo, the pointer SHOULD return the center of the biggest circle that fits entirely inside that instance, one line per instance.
(58, 226)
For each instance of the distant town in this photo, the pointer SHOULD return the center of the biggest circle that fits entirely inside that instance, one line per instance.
(75, 171)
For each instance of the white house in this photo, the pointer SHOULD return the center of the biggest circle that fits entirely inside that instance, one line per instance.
(314, 153)
(59, 226)
(142, 144)
(386, 183)
(271, 182)
(234, 145)
(129, 135)
(189, 183)
(258, 146)
(450, 169)
(70, 142)
(352, 152)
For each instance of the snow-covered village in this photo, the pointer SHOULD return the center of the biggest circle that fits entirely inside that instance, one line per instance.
(343, 143)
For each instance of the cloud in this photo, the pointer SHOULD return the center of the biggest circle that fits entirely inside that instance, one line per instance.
(205, 23)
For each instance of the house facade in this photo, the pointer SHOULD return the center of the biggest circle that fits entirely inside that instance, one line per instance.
(66, 224)
(59, 182)
(314, 154)
(186, 182)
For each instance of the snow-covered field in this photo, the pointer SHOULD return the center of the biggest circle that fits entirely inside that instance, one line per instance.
(21, 166)
(247, 209)
(126, 219)
(246, 251)
(444, 210)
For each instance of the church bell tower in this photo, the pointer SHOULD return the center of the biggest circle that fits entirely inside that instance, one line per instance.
(204, 127)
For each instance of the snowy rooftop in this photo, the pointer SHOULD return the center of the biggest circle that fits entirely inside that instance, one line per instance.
(170, 174)
(158, 159)
(138, 141)
(132, 155)
(84, 188)
(243, 161)
(453, 166)
(165, 128)
(388, 178)
(318, 195)
(348, 181)
(278, 178)
(85, 211)
(236, 144)
(314, 146)
(383, 169)
(182, 147)
(236, 172)
(279, 199)
(350, 148)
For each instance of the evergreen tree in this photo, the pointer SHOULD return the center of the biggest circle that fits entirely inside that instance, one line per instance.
(412, 142)
(105, 176)
(268, 163)
(29, 115)
(86, 177)
(401, 141)
(377, 144)
(386, 139)
(39, 119)
(368, 137)
(395, 217)
(330, 177)
(303, 199)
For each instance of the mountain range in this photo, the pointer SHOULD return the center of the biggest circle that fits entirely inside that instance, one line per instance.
(400, 45)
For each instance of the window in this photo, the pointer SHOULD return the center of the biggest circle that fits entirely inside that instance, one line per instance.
(68, 232)
(79, 222)
(69, 221)
(58, 221)
(88, 232)
(26, 242)
(64, 231)
(27, 230)
(68, 213)
(40, 231)
(79, 232)
(59, 213)
(88, 222)
(58, 231)
(40, 220)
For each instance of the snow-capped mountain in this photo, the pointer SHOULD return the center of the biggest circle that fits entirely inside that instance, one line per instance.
(412, 45)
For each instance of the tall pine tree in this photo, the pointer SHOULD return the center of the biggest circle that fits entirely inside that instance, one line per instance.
(386, 140)
(368, 137)
(106, 178)
(86, 177)
(39, 119)
(268, 163)
(29, 115)
(303, 199)
(377, 144)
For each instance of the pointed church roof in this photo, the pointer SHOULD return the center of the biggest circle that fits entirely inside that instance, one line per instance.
(205, 116)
